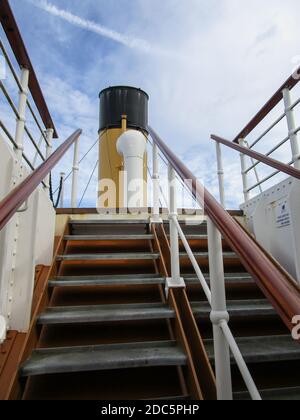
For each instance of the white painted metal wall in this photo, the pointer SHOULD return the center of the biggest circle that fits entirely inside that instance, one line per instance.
(24, 243)
(274, 218)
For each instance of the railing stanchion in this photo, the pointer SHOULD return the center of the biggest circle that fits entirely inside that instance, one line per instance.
(20, 127)
(290, 116)
(155, 178)
(243, 143)
(219, 313)
(62, 193)
(75, 175)
(49, 137)
(175, 281)
(220, 174)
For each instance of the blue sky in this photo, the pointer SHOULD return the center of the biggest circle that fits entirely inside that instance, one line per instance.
(206, 65)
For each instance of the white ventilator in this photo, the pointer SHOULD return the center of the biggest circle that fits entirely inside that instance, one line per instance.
(132, 146)
(2, 329)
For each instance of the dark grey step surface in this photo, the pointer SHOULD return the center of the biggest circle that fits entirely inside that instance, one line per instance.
(137, 280)
(119, 280)
(264, 349)
(229, 278)
(103, 357)
(276, 394)
(112, 256)
(205, 255)
(108, 237)
(238, 308)
(173, 398)
(105, 313)
(109, 222)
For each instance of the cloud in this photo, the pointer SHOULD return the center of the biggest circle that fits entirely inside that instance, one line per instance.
(217, 90)
(126, 40)
(266, 35)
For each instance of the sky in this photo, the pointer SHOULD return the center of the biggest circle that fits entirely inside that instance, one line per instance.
(208, 66)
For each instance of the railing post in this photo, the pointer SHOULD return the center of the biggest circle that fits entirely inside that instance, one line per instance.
(175, 281)
(75, 175)
(243, 143)
(290, 116)
(62, 194)
(219, 313)
(155, 177)
(220, 173)
(20, 127)
(49, 137)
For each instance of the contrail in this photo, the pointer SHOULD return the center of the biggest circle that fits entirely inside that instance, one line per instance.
(128, 41)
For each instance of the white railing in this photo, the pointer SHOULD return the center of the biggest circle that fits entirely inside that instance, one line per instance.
(250, 172)
(224, 341)
(36, 151)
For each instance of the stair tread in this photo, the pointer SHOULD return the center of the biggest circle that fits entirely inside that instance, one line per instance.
(103, 357)
(110, 256)
(264, 349)
(254, 307)
(119, 280)
(135, 279)
(105, 313)
(107, 237)
(110, 222)
(276, 394)
(170, 398)
(205, 255)
(229, 278)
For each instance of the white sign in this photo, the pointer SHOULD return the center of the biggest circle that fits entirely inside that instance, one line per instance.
(283, 215)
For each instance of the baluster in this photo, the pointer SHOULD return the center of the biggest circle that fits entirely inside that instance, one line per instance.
(220, 173)
(219, 312)
(49, 137)
(175, 281)
(243, 143)
(75, 175)
(290, 116)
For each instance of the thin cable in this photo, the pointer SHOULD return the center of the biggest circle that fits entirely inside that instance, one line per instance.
(88, 184)
(183, 185)
(150, 175)
(81, 160)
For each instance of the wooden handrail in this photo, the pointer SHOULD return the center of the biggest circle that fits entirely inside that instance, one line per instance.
(16, 42)
(291, 82)
(282, 167)
(276, 284)
(18, 196)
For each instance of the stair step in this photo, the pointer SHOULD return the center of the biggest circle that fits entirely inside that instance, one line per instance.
(229, 278)
(112, 256)
(103, 357)
(276, 394)
(105, 313)
(205, 255)
(238, 308)
(263, 349)
(108, 237)
(173, 398)
(191, 237)
(109, 222)
(136, 280)
(120, 280)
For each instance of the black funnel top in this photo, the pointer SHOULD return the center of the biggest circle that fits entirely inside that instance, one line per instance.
(123, 100)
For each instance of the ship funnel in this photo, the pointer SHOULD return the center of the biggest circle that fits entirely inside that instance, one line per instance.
(122, 147)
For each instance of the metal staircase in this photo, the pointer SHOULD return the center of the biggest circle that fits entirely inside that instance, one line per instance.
(147, 307)
(119, 323)
(99, 324)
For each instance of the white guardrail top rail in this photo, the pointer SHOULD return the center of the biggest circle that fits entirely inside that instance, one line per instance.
(283, 97)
